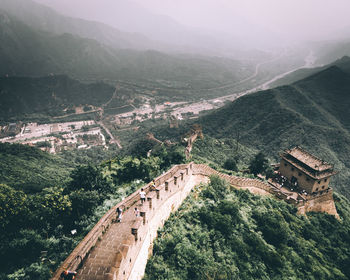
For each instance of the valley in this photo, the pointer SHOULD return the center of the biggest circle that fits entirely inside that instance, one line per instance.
(175, 111)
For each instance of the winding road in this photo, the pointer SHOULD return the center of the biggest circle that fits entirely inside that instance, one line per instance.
(309, 62)
(195, 107)
(209, 104)
(113, 139)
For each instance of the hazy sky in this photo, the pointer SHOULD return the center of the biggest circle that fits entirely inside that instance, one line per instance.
(300, 19)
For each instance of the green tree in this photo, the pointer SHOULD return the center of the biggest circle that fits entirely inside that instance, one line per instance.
(177, 155)
(273, 226)
(88, 177)
(28, 244)
(259, 164)
(51, 205)
(34, 271)
(126, 169)
(150, 167)
(83, 202)
(230, 164)
(13, 206)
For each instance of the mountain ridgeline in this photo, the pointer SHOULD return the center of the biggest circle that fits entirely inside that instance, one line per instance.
(48, 96)
(312, 113)
(343, 63)
(29, 51)
(43, 18)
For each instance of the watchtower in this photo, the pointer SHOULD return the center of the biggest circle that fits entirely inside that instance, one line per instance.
(305, 171)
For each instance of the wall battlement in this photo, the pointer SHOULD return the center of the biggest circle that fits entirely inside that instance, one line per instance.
(120, 250)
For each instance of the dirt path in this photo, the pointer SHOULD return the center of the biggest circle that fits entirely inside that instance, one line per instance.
(113, 139)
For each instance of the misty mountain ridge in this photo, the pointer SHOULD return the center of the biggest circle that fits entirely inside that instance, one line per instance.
(29, 52)
(44, 18)
(342, 63)
(331, 50)
(132, 17)
(50, 64)
(41, 17)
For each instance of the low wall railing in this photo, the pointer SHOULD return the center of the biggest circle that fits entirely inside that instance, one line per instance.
(233, 180)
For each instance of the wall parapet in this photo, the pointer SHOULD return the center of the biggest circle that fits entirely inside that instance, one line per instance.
(236, 181)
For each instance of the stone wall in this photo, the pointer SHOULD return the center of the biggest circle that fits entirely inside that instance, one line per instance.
(315, 203)
(156, 218)
(170, 192)
(168, 196)
(323, 203)
(129, 260)
(238, 182)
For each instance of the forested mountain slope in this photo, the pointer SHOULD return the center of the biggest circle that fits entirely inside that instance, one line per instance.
(43, 197)
(48, 95)
(29, 169)
(312, 113)
(343, 63)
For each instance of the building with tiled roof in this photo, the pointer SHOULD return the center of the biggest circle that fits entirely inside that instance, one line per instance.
(306, 171)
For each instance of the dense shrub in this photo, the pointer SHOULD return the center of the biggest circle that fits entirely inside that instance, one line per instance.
(259, 164)
(230, 164)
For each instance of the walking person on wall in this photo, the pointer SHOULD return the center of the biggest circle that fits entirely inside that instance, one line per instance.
(119, 214)
(142, 196)
(153, 185)
(68, 275)
(137, 212)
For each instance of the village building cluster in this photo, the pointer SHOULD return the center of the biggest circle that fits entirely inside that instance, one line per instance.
(56, 137)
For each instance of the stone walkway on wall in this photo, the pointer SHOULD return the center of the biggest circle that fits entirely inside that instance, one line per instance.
(100, 263)
(102, 258)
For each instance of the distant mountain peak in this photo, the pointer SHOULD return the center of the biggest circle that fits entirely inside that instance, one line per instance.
(345, 58)
(332, 72)
(344, 64)
(4, 18)
(341, 61)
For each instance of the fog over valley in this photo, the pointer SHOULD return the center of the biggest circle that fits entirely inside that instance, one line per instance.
(253, 22)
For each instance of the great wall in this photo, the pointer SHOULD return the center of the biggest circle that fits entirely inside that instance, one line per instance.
(120, 250)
